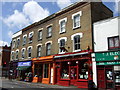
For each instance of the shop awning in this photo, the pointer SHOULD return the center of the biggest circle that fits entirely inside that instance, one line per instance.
(23, 67)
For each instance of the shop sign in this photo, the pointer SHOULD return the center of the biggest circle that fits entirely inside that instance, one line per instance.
(108, 63)
(107, 56)
(28, 63)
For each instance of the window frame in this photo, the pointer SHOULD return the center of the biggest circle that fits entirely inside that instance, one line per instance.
(49, 31)
(24, 39)
(23, 53)
(13, 44)
(30, 37)
(17, 54)
(113, 41)
(39, 51)
(60, 23)
(18, 43)
(73, 17)
(29, 53)
(48, 49)
(40, 35)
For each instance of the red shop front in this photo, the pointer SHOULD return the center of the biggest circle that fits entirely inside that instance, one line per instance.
(73, 69)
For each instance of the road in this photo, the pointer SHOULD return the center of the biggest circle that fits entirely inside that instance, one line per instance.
(7, 84)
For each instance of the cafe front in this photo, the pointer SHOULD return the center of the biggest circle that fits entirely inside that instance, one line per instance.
(73, 69)
(107, 65)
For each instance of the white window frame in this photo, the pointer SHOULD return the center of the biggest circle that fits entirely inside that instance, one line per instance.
(18, 54)
(65, 38)
(40, 50)
(72, 38)
(12, 55)
(60, 21)
(17, 42)
(24, 52)
(40, 30)
(46, 46)
(75, 14)
(50, 31)
(31, 51)
(13, 43)
(30, 41)
(23, 39)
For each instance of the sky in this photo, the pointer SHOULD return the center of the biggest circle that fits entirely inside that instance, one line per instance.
(17, 14)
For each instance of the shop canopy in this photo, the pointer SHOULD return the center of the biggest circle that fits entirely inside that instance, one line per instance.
(23, 67)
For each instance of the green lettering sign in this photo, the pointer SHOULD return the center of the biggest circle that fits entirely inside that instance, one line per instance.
(108, 63)
(107, 56)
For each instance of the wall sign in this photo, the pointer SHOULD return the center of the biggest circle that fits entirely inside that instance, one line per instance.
(108, 63)
(28, 63)
(107, 56)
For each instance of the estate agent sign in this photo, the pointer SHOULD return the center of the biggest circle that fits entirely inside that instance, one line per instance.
(108, 58)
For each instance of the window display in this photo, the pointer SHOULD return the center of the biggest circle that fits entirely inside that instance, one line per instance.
(117, 77)
(83, 73)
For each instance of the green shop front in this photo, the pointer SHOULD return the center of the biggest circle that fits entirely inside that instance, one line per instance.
(108, 69)
(24, 67)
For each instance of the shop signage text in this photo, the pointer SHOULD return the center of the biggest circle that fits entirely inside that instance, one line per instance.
(108, 63)
(24, 63)
(107, 56)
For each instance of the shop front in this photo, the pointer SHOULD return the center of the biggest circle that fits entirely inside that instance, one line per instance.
(13, 69)
(108, 69)
(73, 69)
(43, 69)
(24, 68)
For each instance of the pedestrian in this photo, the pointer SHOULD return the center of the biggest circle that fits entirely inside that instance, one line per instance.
(30, 76)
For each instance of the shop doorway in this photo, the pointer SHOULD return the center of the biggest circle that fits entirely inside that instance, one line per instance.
(73, 74)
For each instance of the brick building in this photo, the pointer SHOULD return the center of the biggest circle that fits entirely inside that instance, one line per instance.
(57, 49)
(4, 60)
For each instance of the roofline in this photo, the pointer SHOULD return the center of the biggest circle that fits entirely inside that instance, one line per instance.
(66, 9)
(106, 20)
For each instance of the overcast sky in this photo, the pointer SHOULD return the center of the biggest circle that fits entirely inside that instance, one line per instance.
(17, 15)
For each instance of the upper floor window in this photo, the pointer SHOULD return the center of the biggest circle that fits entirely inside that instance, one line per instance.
(13, 44)
(23, 53)
(49, 31)
(76, 41)
(62, 23)
(12, 56)
(17, 52)
(30, 37)
(40, 35)
(39, 51)
(24, 39)
(18, 42)
(48, 49)
(113, 42)
(76, 19)
(29, 52)
(62, 45)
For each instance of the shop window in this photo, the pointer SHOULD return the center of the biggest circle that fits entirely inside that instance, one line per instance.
(23, 53)
(65, 70)
(40, 35)
(49, 31)
(113, 42)
(76, 42)
(39, 51)
(83, 72)
(48, 49)
(117, 78)
(30, 37)
(46, 68)
(29, 52)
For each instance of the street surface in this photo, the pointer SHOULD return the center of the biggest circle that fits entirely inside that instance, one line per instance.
(6, 83)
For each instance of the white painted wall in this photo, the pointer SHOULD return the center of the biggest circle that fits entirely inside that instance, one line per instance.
(104, 29)
(17, 34)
